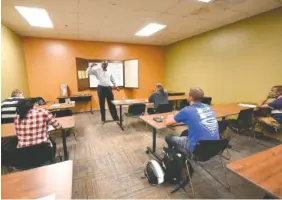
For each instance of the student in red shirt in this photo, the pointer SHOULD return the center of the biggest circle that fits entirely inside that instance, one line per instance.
(31, 124)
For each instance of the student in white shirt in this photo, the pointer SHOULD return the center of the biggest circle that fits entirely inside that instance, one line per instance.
(104, 89)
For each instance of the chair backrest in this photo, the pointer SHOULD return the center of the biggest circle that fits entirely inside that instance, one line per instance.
(136, 109)
(183, 104)
(164, 108)
(245, 117)
(30, 157)
(7, 120)
(39, 100)
(207, 100)
(206, 149)
(62, 113)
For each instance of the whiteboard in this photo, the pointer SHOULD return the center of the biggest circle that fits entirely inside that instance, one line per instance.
(115, 68)
(131, 74)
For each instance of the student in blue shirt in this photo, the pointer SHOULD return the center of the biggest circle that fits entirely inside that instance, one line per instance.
(276, 105)
(200, 119)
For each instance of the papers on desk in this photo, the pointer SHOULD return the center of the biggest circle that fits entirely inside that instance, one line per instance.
(51, 128)
(49, 197)
(129, 100)
(55, 105)
(247, 105)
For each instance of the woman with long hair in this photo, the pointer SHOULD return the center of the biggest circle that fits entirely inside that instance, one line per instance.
(31, 124)
(159, 96)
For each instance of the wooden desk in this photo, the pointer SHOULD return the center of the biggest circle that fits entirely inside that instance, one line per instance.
(39, 182)
(123, 102)
(221, 111)
(174, 93)
(178, 97)
(8, 130)
(60, 106)
(78, 98)
(263, 169)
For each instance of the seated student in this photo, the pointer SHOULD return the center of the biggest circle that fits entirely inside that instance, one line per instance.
(200, 119)
(9, 106)
(8, 112)
(160, 96)
(31, 124)
(276, 105)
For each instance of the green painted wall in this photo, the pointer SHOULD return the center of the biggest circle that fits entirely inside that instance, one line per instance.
(238, 62)
(13, 70)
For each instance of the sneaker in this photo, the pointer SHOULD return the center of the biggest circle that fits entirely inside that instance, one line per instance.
(103, 122)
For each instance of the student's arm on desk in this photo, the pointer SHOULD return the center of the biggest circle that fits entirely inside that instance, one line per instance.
(170, 121)
(51, 120)
(178, 118)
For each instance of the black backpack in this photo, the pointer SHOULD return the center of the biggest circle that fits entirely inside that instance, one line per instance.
(173, 163)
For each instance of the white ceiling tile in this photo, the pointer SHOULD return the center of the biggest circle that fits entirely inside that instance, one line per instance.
(62, 5)
(119, 20)
(185, 7)
(151, 5)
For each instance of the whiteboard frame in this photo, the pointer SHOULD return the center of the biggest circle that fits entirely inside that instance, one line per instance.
(124, 74)
(102, 60)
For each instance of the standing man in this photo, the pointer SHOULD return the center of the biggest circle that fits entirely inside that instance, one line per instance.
(104, 89)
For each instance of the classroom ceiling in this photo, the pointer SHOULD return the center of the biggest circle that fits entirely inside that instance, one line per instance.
(119, 20)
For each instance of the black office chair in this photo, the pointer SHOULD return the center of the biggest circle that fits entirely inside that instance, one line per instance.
(243, 123)
(207, 100)
(62, 113)
(39, 100)
(32, 156)
(164, 108)
(204, 151)
(135, 111)
(183, 104)
(7, 120)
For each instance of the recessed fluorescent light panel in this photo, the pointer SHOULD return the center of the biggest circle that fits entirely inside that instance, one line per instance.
(35, 16)
(150, 29)
(206, 1)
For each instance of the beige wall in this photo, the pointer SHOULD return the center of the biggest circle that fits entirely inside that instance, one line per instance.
(13, 68)
(238, 62)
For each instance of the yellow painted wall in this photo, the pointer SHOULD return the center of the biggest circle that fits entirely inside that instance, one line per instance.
(238, 62)
(14, 75)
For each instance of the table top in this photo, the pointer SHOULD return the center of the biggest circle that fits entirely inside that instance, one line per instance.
(58, 106)
(179, 97)
(39, 182)
(8, 130)
(133, 101)
(221, 110)
(78, 95)
(263, 169)
(129, 101)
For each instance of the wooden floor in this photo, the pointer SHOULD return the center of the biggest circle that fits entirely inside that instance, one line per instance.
(109, 163)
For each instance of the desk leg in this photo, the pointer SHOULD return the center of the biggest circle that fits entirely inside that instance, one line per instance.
(64, 138)
(91, 107)
(153, 149)
(120, 118)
